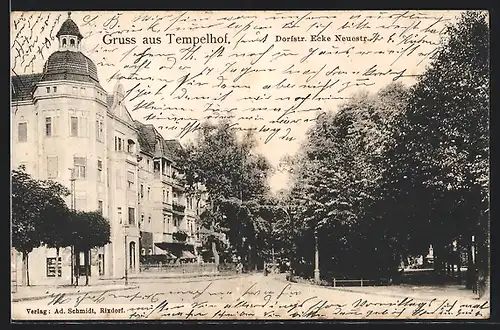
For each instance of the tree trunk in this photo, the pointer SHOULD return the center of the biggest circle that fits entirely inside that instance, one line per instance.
(25, 273)
(214, 246)
(469, 277)
(77, 266)
(87, 266)
(439, 260)
(57, 266)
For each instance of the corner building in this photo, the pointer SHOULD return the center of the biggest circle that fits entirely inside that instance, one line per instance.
(67, 128)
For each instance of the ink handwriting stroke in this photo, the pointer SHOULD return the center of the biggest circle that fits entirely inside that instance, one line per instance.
(256, 298)
(273, 73)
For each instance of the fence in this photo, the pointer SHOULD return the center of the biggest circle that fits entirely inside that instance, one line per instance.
(359, 282)
(187, 268)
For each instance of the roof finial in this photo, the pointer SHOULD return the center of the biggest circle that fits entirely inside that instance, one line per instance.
(69, 14)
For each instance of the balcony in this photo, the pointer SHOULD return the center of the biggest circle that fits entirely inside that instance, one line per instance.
(175, 237)
(178, 208)
(178, 183)
(126, 156)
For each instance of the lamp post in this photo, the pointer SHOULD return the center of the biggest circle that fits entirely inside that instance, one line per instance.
(316, 257)
(292, 232)
(125, 253)
(72, 196)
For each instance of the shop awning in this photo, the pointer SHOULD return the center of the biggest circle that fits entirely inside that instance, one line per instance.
(187, 255)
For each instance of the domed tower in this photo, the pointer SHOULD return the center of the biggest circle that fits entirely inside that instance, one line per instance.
(69, 35)
(72, 116)
(69, 63)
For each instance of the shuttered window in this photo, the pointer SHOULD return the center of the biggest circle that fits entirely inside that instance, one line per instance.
(52, 167)
(22, 132)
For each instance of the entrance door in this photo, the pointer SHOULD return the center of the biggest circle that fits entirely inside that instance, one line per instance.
(132, 255)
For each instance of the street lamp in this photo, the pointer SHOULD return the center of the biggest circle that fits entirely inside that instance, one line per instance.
(125, 227)
(292, 232)
(72, 192)
(316, 257)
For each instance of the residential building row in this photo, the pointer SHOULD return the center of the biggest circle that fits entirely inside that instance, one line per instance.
(67, 128)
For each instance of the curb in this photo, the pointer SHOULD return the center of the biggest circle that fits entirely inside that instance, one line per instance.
(74, 293)
(181, 280)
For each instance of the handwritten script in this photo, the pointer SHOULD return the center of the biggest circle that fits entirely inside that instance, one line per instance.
(273, 73)
(253, 299)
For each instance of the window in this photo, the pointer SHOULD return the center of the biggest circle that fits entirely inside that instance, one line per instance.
(80, 165)
(99, 170)
(51, 126)
(100, 207)
(176, 222)
(48, 89)
(74, 126)
(120, 215)
(164, 195)
(22, 132)
(142, 218)
(99, 129)
(101, 264)
(48, 126)
(119, 144)
(51, 267)
(54, 89)
(149, 219)
(150, 251)
(131, 216)
(75, 90)
(64, 41)
(72, 42)
(149, 192)
(142, 190)
(130, 179)
(130, 146)
(82, 90)
(143, 251)
(81, 201)
(52, 167)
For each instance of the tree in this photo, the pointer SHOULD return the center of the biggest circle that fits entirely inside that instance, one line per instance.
(335, 185)
(56, 230)
(34, 204)
(445, 138)
(90, 230)
(234, 178)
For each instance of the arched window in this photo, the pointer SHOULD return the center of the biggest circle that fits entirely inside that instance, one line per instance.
(131, 146)
(64, 41)
(143, 251)
(72, 42)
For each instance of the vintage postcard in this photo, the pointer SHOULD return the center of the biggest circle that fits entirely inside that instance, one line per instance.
(243, 165)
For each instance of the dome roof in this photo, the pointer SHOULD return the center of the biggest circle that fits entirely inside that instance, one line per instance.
(69, 28)
(70, 65)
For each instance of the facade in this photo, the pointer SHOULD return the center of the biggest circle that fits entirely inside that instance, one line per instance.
(67, 128)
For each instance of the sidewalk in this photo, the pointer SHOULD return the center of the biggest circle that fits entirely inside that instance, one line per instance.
(177, 276)
(37, 292)
(400, 291)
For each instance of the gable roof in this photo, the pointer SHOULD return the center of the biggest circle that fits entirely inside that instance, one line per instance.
(146, 136)
(152, 142)
(24, 85)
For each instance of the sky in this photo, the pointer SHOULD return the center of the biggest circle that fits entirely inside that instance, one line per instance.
(270, 72)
